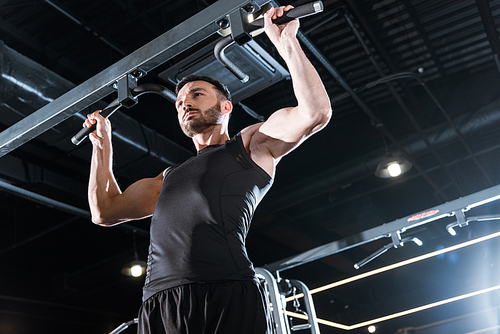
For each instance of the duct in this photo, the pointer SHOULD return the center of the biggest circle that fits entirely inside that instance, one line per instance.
(262, 69)
(26, 86)
(442, 134)
(16, 169)
(49, 202)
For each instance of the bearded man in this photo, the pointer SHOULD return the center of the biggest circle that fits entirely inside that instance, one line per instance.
(199, 277)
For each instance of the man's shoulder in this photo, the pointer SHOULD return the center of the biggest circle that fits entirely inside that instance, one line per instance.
(247, 134)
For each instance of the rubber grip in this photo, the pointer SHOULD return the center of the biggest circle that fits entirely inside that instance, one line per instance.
(84, 132)
(307, 9)
(300, 12)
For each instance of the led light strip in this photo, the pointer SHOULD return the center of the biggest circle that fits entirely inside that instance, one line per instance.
(320, 321)
(396, 265)
(396, 315)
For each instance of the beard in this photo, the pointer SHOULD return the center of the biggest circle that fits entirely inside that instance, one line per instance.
(201, 121)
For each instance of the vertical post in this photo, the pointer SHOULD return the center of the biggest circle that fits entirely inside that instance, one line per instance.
(274, 302)
(309, 304)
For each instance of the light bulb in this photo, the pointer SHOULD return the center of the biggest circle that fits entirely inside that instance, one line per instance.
(394, 169)
(372, 329)
(136, 270)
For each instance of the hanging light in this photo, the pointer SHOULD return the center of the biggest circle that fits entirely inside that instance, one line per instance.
(392, 166)
(135, 268)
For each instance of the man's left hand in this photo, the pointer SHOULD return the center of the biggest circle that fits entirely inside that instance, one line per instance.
(278, 33)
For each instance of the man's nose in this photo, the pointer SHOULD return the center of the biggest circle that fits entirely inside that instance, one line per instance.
(188, 103)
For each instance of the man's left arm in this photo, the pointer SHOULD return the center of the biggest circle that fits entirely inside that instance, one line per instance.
(288, 127)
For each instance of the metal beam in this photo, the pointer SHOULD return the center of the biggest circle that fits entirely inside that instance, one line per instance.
(52, 203)
(148, 57)
(386, 230)
(490, 29)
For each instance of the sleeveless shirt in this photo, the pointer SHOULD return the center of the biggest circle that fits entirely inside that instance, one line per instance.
(202, 218)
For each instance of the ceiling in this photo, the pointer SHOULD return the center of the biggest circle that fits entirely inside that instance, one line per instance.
(438, 106)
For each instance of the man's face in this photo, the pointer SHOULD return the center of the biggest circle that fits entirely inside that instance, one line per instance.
(197, 107)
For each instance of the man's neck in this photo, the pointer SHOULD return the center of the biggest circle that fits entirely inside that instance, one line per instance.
(214, 137)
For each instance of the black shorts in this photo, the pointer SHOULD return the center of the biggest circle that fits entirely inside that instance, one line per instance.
(233, 307)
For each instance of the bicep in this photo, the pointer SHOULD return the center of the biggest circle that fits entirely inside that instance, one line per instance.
(136, 202)
(287, 128)
(141, 197)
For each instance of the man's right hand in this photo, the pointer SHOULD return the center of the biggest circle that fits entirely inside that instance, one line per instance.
(102, 134)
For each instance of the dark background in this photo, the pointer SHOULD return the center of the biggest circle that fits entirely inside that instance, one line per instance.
(59, 273)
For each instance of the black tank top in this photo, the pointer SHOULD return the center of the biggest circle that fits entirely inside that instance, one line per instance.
(202, 218)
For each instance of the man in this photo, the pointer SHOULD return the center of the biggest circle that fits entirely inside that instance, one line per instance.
(199, 278)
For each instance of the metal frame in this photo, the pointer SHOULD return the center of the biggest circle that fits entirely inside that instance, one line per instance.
(124, 326)
(276, 303)
(273, 297)
(312, 321)
(143, 60)
(454, 208)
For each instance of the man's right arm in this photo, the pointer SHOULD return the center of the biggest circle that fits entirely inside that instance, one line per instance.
(108, 204)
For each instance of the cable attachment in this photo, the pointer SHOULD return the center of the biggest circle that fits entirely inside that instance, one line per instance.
(296, 306)
(124, 86)
(461, 222)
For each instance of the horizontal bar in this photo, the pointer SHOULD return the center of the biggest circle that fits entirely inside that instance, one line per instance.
(146, 58)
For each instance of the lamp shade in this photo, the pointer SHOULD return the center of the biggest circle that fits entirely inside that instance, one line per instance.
(392, 167)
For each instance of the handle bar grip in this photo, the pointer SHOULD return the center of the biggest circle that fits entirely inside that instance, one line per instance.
(106, 112)
(114, 105)
(307, 9)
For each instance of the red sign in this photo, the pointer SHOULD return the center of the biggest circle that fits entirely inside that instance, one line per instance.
(425, 214)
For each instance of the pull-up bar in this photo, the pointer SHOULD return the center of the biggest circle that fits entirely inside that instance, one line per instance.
(153, 54)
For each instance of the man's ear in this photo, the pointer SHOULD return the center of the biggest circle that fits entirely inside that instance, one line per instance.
(227, 107)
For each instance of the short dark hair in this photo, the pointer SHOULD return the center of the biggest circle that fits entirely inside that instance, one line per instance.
(221, 89)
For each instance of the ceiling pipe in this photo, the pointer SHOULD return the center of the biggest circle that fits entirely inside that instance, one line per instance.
(355, 197)
(51, 203)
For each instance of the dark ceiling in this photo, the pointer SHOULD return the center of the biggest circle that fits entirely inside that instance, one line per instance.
(438, 106)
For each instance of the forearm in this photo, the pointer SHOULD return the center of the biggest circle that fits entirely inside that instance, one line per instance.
(102, 184)
(309, 90)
